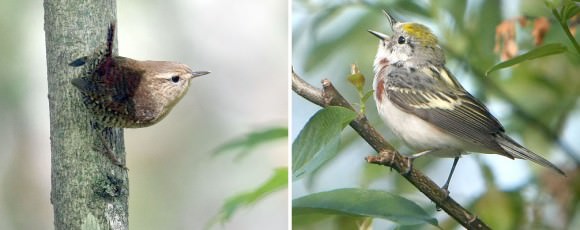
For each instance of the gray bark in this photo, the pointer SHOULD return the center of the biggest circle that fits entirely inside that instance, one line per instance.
(88, 191)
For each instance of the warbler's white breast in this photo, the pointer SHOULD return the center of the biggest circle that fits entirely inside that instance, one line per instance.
(414, 131)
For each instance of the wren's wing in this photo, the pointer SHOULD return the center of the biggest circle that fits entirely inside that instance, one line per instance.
(110, 90)
(102, 98)
(435, 96)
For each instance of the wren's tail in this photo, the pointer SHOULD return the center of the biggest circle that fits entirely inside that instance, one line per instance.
(110, 39)
(108, 52)
(518, 151)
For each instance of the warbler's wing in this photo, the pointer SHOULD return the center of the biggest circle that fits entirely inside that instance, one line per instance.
(436, 97)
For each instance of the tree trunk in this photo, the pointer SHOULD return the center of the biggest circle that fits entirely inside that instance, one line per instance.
(88, 191)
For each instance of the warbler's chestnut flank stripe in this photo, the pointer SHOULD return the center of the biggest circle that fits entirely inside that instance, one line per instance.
(379, 91)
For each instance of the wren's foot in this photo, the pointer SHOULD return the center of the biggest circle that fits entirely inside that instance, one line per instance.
(115, 160)
(110, 154)
(78, 62)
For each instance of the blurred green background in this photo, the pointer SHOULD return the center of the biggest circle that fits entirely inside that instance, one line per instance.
(175, 181)
(537, 101)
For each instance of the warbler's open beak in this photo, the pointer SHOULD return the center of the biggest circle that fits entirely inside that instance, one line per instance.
(199, 73)
(379, 35)
(390, 17)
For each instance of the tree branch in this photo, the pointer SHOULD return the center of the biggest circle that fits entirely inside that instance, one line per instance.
(388, 156)
(88, 191)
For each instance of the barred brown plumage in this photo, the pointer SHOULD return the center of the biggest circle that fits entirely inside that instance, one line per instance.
(127, 93)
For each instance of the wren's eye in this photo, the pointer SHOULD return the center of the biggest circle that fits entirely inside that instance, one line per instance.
(175, 79)
(401, 40)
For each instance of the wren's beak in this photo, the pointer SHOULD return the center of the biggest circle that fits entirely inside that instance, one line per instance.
(199, 73)
(379, 35)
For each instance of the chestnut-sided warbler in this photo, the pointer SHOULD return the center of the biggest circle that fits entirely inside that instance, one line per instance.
(424, 105)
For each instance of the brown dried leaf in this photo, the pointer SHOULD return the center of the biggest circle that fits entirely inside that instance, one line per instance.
(574, 21)
(562, 189)
(522, 20)
(505, 34)
(356, 78)
(510, 49)
(541, 27)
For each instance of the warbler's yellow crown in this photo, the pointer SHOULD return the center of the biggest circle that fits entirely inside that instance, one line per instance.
(420, 33)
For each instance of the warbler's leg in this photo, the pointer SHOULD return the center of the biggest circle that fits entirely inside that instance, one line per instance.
(446, 185)
(411, 158)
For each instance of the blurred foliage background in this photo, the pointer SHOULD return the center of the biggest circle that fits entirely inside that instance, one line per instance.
(537, 101)
(176, 181)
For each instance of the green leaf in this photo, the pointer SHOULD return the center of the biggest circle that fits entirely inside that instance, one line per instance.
(569, 9)
(550, 5)
(326, 47)
(357, 80)
(325, 16)
(507, 208)
(362, 202)
(277, 182)
(325, 221)
(318, 141)
(548, 49)
(252, 140)
(367, 95)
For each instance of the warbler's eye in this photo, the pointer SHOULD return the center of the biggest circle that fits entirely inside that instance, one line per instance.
(401, 40)
(175, 79)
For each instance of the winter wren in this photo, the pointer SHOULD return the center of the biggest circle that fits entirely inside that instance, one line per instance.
(126, 93)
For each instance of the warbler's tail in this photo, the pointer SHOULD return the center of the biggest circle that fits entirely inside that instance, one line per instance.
(518, 151)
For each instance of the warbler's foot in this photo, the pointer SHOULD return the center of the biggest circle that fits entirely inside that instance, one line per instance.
(409, 166)
(445, 187)
(392, 160)
(446, 191)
